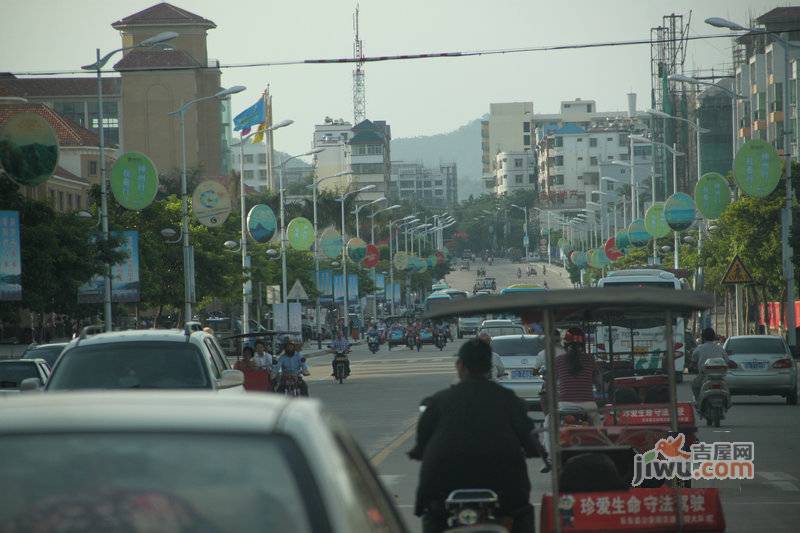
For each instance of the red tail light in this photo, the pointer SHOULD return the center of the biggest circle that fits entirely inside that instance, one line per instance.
(782, 363)
(601, 346)
(715, 386)
(678, 345)
(732, 364)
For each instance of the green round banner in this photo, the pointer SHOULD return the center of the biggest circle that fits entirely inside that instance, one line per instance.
(134, 181)
(757, 168)
(432, 261)
(679, 211)
(654, 221)
(356, 249)
(579, 259)
(712, 195)
(421, 265)
(330, 243)
(401, 260)
(261, 223)
(300, 233)
(637, 234)
(28, 149)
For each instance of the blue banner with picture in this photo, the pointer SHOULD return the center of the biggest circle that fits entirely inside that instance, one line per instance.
(352, 287)
(325, 282)
(10, 257)
(338, 288)
(124, 275)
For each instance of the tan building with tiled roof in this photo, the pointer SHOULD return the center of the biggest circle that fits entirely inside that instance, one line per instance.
(157, 82)
(78, 157)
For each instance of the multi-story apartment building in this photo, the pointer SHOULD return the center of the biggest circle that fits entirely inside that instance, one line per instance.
(514, 171)
(759, 77)
(255, 166)
(361, 151)
(508, 129)
(417, 185)
(78, 158)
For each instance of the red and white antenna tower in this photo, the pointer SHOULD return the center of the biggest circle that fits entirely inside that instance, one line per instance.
(359, 93)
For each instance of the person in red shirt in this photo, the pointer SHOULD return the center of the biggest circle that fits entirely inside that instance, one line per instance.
(255, 379)
(576, 373)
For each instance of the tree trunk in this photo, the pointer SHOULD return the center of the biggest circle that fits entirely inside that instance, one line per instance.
(158, 316)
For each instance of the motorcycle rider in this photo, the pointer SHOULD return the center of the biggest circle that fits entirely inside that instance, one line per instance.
(498, 368)
(291, 362)
(373, 335)
(474, 434)
(339, 345)
(519, 272)
(707, 350)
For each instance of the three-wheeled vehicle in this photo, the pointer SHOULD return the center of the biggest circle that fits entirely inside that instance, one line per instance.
(616, 499)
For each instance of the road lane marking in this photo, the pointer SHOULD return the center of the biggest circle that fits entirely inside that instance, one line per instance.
(777, 476)
(390, 448)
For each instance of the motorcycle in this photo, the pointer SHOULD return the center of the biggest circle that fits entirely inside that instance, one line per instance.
(714, 399)
(471, 507)
(340, 366)
(519, 273)
(374, 344)
(411, 340)
(440, 341)
(291, 385)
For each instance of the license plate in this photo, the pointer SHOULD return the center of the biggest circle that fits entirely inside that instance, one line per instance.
(716, 402)
(523, 373)
(755, 365)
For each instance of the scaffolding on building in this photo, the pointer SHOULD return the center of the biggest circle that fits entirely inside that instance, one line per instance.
(668, 44)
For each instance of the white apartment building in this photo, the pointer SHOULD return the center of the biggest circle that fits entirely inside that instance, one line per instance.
(514, 171)
(428, 187)
(508, 129)
(333, 135)
(255, 165)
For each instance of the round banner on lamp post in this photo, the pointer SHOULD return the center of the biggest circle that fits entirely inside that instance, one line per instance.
(622, 240)
(679, 211)
(330, 242)
(611, 249)
(211, 203)
(134, 181)
(757, 168)
(654, 221)
(28, 149)
(300, 233)
(372, 256)
(580, 259)
(712, 195)
(400, 260)
(637, 234)
(261, 223)
(356, 249)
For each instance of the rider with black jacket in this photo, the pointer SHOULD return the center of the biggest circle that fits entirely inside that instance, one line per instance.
(476, 434)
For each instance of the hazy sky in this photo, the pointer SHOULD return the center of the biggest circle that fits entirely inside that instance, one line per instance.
(416, 97)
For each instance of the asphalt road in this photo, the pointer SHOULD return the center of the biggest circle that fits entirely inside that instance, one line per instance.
(379, 403)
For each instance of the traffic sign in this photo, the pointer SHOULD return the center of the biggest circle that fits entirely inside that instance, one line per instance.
(297, 292)
(737, 272)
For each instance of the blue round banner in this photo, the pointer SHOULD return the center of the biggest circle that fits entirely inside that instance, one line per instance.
(679, 211)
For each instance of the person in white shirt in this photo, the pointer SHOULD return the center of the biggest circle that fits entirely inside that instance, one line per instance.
(498, 368)
(262, 358)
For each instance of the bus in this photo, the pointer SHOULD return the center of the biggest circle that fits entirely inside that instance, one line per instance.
(456, 294)
(647, 346)
(434, 297)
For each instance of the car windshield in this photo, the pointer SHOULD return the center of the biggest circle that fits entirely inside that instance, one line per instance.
(12, 374)
(131, 365)
(496, 331)
(167, 482)
(48, 353)
(765, 345)
(518, 346)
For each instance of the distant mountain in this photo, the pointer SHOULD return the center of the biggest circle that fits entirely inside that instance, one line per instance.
(462, 146)
(281, 156)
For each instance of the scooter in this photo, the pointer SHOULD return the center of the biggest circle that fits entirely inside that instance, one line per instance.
(714, 399)
(441, 341)
(374, 344)
(340, 364)
(473, 508)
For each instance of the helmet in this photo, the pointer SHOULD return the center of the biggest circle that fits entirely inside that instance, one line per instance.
(574, 336)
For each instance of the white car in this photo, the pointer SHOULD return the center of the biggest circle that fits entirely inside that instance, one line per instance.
(523, 365)
(14, 371)
(761, 365)
(500, 327)
(145, 359)
(184, 461)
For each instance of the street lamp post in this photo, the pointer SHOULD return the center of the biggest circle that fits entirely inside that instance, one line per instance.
(372, 221)
(188, 253)
(362, 206)
(399, 222)
(549, 260)
(786, 248)
(344, 258)
(97, 66)
(524, 209)
(314, 187)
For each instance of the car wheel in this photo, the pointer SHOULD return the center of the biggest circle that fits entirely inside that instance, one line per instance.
(791, 398)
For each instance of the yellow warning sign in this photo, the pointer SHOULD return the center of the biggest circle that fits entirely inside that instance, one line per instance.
(737, 272)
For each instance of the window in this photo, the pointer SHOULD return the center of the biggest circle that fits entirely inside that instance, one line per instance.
(248, 158)
(517, 163)
(623, 139)
(592, 142)
(439, 192)
(426, 184)
(407, 184)
(624, 157)
(75, 111)
(526, 127)
(343, 136)
(588, 108)
(248, 174)
(559, 142)
(611, 158)
(593, 161)
(531, 178)
(526, 140)
(262, 173)
(438, 183)
(580, 158)
(110, 120)
(642, 150)
(93, 168)
(566, 106)
(69, 201)
(262, 159)
(367, 168)
(559, 160)
(609, 139)
(558, 179)
(359, 149)
(375, 149)
(580, 139)
(518, 179)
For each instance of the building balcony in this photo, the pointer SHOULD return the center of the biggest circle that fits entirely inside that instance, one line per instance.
(776, 116)
(754, 89)
(759, 125)
(744, 133)
(771, 79)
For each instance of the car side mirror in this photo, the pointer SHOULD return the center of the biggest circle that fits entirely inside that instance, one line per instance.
(30, 384)
(231, 378)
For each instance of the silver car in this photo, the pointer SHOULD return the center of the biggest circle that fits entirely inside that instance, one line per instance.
(763, 366)
(521, 360)
(184, 461)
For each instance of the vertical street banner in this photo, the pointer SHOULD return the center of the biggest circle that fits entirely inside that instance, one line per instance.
(352, 287)
(124, 275)
(380, 284)
(10, 257)
(293, 323)
(397, 293)
(338, 288)
(393, 289)
(325, 282)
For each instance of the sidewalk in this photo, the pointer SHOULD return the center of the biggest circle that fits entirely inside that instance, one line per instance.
(12, 351)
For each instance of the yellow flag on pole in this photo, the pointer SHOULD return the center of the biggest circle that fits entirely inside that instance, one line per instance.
(258, 137)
